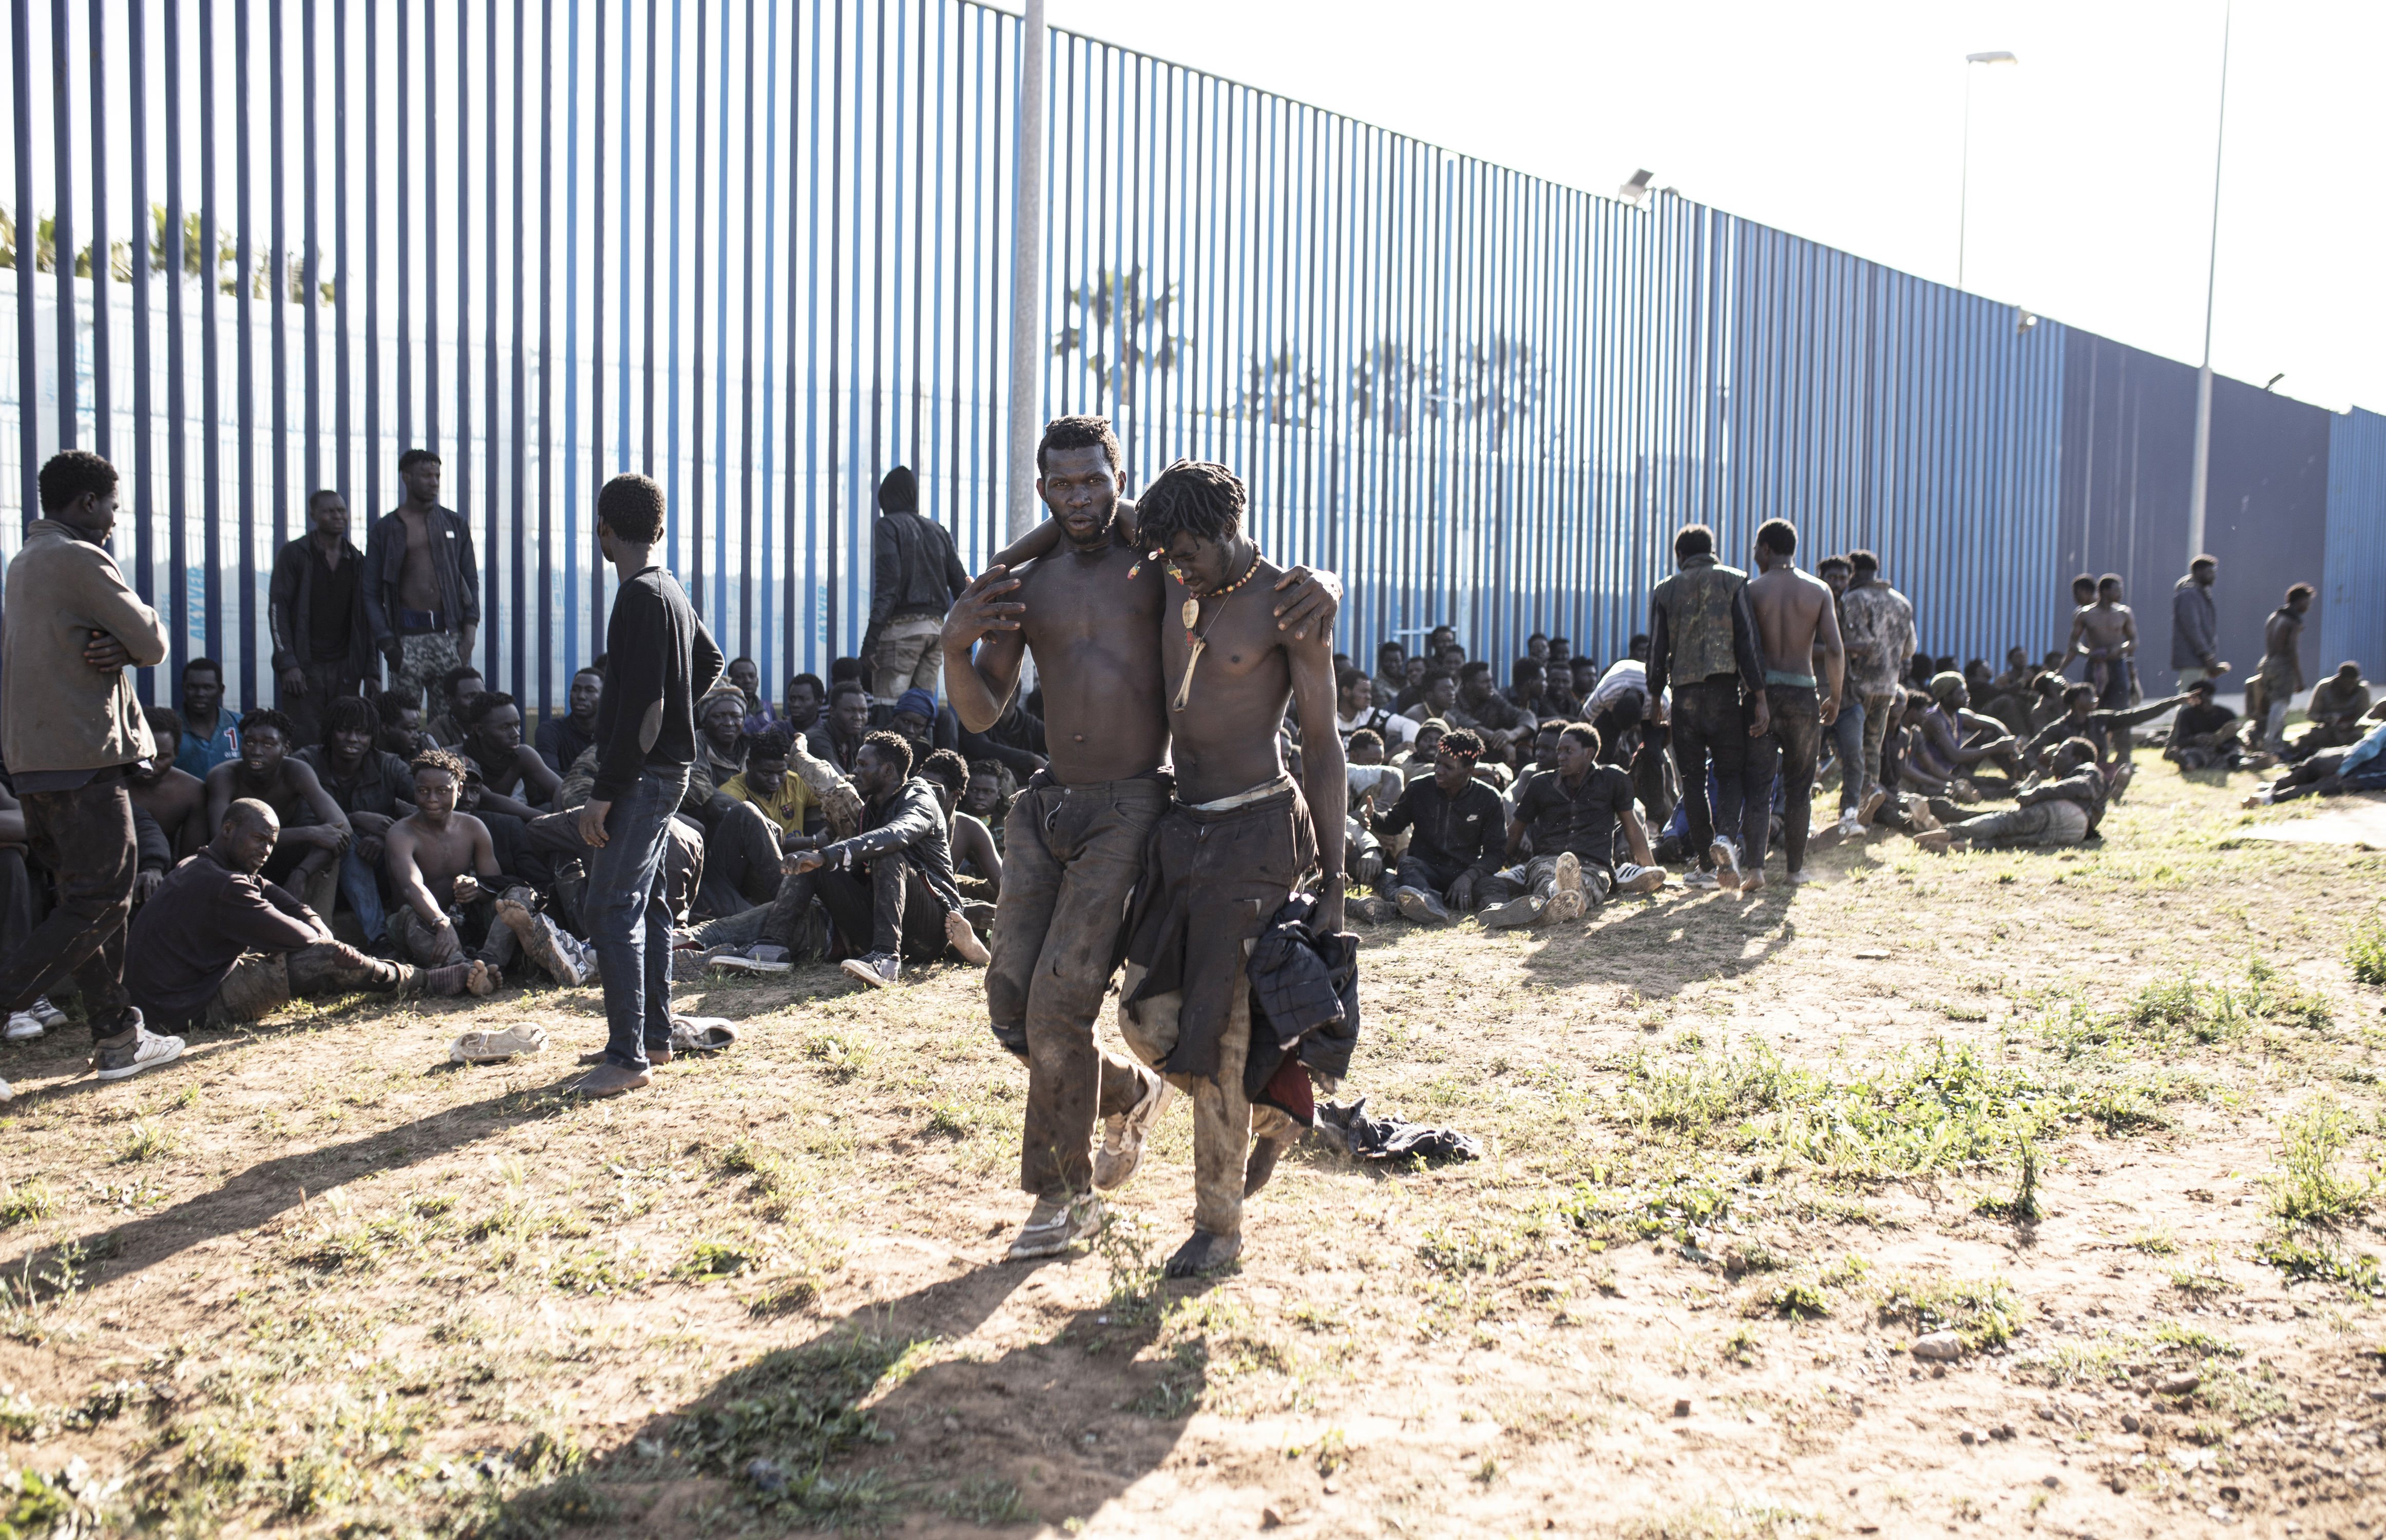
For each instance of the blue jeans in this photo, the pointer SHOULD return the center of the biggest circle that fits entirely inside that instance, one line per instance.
(1847, 743)
(361, 888)
(628, 914)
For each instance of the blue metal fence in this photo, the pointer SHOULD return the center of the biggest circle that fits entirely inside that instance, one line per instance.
(761, 249)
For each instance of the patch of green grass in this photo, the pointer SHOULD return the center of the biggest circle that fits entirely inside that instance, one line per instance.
(2366, 952)
(1984, 1311)
(2153, 1242)
(2308, 1189)
(22, 1203)
(716, 1259)
(1741, 1347)
(145, 1140)
(2305, 1261)
(1798, 1301)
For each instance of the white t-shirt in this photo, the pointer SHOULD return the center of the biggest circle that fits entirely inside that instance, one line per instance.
(1623, 678)
(1396, 731)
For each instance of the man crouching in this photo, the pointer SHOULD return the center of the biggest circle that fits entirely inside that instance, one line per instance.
(1235, 844)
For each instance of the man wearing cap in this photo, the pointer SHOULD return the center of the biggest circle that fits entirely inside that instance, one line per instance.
(915, 576)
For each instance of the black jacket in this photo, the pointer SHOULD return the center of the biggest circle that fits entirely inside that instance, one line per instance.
(658, 659)
(451, 559)
(1305, 989)
(290, 609)
(913, 571)
(1465, 833)
(909, 824)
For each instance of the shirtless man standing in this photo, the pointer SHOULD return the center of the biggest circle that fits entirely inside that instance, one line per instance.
(173, 796)
(2106, 633)
(1797, 626)
(445, 873)
(422, 586)
(1238, 842)
(1075, 839)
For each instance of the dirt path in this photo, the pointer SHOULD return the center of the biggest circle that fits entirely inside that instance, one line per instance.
(1740, 1157)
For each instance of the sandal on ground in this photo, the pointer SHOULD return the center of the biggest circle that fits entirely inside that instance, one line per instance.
(493, 1047)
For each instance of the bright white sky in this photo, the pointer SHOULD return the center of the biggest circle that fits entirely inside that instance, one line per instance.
(2091, 158)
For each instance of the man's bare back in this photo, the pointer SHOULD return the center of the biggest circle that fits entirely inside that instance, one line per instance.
(178, 800)
(1796, 623)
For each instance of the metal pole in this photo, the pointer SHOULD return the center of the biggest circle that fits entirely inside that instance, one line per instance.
(1026, 314)
(2202, 474)
(1963, 181)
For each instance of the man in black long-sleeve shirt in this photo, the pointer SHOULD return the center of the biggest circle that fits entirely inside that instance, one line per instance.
(1702, 637)
(1459, 833)
(658, 659)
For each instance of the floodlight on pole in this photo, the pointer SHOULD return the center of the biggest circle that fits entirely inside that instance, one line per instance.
(2200, 474)
(1636, 189)
(1963, 195)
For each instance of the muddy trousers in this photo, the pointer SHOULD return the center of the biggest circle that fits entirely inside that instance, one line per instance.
(1225, 1121)
(1072, 858)
(262, 982)
(1709, 730)
(2041, 823)
(1789, 749)
(84, 837)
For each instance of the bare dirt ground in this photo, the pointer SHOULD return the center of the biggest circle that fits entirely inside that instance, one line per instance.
(2111, 1116)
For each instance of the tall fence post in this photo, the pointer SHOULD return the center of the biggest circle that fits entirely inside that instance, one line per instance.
(1026, 275)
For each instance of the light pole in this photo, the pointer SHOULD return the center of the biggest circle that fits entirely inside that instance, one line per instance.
(1964, 198)
(2199, 478)
(1026, 279)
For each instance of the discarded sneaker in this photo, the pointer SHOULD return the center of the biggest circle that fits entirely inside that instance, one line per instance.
(878, 969)
(750, 959)
(701, 1034)
(1123, 1134)
(494, 1047)
(1054, 1225)
(1422, 907)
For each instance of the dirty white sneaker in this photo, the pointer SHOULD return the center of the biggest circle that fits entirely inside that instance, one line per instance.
(52, 1016)
(702, 1035)
(1123, 1136)
(1850, 823)
(878, 969)
(491, 1048)
(147, 1050)
(24, 1026)
(1422, 907)
(1703, 881)
(1639, 879)
(1727, 860)
(1054, 1225)
(1569, 871)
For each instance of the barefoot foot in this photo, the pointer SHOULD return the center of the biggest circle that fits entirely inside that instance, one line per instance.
(1203, 1254)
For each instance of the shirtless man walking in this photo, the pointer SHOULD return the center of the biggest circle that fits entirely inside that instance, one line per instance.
(1797, 623)
(1238, 842)
(2106, 633)
(422, 586)
(1075, 835)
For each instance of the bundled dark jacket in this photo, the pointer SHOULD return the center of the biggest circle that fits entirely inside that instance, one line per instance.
(911, 824)
(292, 609)
(452, 562)
(1305, 1000)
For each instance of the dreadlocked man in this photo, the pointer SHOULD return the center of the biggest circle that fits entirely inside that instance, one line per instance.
(1073, 840)
(1238, 841)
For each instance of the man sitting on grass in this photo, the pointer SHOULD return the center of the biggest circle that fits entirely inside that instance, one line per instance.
(444, 872)
(1570, 815)
(2203, 734)
(219, 945)
(1455, 846)
(2061, 809)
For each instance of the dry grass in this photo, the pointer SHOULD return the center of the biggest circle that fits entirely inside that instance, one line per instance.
(315, 1281)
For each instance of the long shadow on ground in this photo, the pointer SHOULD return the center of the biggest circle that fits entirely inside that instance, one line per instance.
(865, 1423)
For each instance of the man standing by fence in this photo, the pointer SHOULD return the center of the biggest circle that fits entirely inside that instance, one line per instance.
(1879, 638)
(658, 658)
(915, 576)
(71, 730)
(1702, 639)
(422, 586)
(2194, 626)
(322, 636)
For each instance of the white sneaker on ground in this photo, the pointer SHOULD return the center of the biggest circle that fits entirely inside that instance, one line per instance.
(1639, 879)
(1422, 907)
(1054, 1225)
(878, 969)
(1703, 881)
(732, 960)
(52, 1016)
(1123, 1134)
(701, 1034)
(491, 1048)
(24, 1026)
(1850, 823)
(146, 1051)
(1727, 860)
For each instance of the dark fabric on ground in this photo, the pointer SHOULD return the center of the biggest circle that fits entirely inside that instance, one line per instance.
(1371, 1138)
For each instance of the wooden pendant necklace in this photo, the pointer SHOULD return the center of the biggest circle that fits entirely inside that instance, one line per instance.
(1197, 642)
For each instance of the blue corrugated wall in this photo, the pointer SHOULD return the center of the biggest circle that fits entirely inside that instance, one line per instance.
(761, 249)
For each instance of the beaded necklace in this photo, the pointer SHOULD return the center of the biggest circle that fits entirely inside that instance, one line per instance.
(1197, 642)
